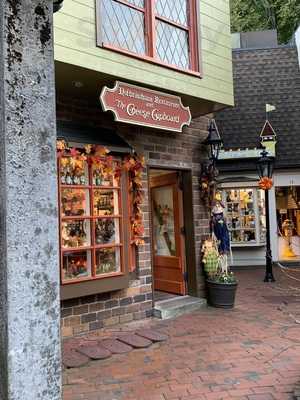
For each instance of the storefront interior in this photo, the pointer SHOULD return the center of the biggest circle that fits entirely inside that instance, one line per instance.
(288, 222)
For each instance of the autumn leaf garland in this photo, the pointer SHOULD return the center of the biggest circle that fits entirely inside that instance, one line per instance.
(100, 158)
(134, 166)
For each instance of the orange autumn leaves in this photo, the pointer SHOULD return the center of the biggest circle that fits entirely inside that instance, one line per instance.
(100, 158)
(134, 165)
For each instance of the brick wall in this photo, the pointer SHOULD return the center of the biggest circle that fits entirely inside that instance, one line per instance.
(174, 150)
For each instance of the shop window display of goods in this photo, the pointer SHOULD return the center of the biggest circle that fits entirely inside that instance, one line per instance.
(92, 184)
(245, 215)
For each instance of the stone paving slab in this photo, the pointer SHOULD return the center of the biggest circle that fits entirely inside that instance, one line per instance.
(79, 351)
(94, 351)
(115, 346)
(74, 359)
(135, 341)
(152, 335)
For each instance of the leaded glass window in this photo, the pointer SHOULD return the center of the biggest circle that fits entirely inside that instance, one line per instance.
(123, 26)
(164, 31)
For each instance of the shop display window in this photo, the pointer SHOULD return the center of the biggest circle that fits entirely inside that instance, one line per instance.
(76, 265)
(245, 214)
(90, 221)
(107, 260)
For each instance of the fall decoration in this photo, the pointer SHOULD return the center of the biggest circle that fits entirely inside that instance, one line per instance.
(265, 183)
(134, 165)
(207, 184)
(105, 165)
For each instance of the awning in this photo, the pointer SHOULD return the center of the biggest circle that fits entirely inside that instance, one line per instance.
(73, 132)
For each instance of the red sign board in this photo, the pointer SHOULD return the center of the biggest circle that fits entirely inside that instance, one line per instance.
(141, 106)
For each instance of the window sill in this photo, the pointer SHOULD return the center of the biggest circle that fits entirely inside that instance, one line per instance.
(95, 286)
(233, 245)
(150, 60)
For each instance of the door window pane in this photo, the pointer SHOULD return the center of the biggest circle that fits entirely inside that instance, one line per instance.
(172, 45)
(107, 231)
(76, 265)
(174, 10)
(107, 260)
(75, 233)
(74, 202)
(163, 221)
(123, 26)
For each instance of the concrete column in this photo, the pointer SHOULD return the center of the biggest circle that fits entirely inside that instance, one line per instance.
(29, 274)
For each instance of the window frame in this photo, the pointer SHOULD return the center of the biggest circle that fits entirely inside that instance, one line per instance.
(122, 217)
(150, 36)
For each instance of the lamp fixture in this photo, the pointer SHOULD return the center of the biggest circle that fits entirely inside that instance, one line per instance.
(265, 165)
(213, 141)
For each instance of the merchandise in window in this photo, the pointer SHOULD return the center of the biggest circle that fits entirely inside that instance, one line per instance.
(164, 31)
(245, 214)
(90, 220)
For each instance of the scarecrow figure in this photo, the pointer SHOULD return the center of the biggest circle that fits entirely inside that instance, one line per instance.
(220, 230)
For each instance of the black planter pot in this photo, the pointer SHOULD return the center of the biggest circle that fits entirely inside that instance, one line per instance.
(221, 295)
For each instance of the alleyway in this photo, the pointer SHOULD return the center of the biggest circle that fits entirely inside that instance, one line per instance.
(249, 353)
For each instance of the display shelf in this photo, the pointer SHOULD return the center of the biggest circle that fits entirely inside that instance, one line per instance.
(107, 245)
(75, 249)
(248, 244)
(93, 217)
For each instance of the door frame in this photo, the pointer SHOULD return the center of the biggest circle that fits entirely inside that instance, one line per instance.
(188, 218)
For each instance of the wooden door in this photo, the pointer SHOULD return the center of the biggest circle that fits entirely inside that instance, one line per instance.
(167, 234)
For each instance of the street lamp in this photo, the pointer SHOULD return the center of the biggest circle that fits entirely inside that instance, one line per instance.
(265, 167)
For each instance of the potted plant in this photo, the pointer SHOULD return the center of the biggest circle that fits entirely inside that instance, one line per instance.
(221, 284)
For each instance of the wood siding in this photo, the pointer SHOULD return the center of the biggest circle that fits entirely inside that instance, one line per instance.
(75, 43)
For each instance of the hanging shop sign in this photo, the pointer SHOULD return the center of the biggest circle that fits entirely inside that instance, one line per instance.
(140, 106)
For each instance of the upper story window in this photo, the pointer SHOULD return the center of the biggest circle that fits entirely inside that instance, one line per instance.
(161, 31)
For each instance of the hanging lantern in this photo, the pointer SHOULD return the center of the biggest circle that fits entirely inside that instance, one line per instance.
(265, 165)
(213, 141)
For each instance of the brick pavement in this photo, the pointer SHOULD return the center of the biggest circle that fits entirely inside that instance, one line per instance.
(249, 353)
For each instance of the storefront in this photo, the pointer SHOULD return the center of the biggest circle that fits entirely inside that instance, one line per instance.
(131, 219)
(130, 76)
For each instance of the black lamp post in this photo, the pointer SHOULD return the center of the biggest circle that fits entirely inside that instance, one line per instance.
(57, 5)
(265, 170)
